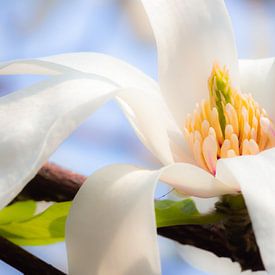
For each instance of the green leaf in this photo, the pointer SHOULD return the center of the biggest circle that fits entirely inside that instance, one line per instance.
(45, 228)
(17, 212)
(19, 225)
(170, 213)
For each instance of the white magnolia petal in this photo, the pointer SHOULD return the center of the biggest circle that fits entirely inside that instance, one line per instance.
(116, 70)
(258, 78)
(208, 262)
(36, 120)
(31, 66)
(111, 226)
(194, 181)
(104, 66)
(190, 37)
(256, 176)
(158, 125)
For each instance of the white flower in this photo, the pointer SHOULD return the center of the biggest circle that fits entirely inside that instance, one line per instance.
(111, 228)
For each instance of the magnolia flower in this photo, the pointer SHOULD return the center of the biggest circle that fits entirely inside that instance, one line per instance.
(111, 228)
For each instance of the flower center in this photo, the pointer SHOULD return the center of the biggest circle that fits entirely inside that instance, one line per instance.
(228, 124)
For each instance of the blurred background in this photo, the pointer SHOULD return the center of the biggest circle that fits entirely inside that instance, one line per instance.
(33, 28)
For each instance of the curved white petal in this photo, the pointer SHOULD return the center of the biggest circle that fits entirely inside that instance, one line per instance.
(36, 120)
(194, 181)
(256, 176)
(32, 66)
(145, 109)
(111, 227)
(103, 66)
(258, 78)
(190, 37)
(212, 264)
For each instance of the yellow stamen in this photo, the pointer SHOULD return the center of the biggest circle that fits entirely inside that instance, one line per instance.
(226, 146)
(231, 153)
(228, 124)
(235, 144)
(232, 117)
(210, 152)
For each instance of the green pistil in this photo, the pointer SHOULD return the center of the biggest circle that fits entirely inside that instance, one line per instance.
(220, 92)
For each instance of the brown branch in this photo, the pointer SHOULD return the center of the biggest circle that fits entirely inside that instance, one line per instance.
(214, 238)
(24, 261)
(204, 237)
(53, 183)
(227, 239)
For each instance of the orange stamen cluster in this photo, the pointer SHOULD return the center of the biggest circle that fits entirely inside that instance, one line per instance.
(229, 124)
